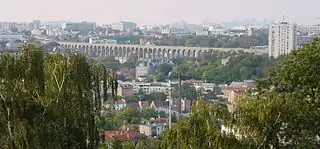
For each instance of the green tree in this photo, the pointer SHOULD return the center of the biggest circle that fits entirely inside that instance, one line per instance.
(128, 115)
(116, 145)
(210, 95)
(201, 130)
(149, 113)
(165, 68)
(130, 63)
(128, 145)
(110, 62)
(282, 112)
(55, 99)
(154, 96)
(158, 76)
(187, 91)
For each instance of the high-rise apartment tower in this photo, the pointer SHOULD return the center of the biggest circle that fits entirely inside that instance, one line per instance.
(282, 38)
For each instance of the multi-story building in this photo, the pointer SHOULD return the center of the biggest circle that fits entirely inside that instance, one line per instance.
(151, 87)
(309, 29)
(237, 89)
(154, 127)
(36, 24)
(6, 26)
(95, 40)
(304, 39)
(143, 70)
(110, 136)
(79, 26)
(258, 31)
(125, 90)
(14, 44)
(282, 38)
(11, 37)
(124, 26)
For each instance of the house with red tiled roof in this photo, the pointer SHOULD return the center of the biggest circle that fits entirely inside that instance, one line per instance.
(122, 136)
(159, 105)
(144, 104)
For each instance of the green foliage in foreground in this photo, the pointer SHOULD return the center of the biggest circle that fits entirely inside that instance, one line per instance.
(282, 113)
(114, 120)
(50, 101)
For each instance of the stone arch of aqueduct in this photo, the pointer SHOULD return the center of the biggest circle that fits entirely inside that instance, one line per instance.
(144, 51)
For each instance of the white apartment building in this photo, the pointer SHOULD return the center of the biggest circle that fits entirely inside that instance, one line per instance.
(151, 87)
(6, 26)
(79, 26)
(124, 26)
(282, 38)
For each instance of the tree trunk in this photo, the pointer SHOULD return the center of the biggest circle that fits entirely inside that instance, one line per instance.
(10, 129)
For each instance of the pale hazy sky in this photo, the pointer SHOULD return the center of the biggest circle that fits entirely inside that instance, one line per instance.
(159, 11)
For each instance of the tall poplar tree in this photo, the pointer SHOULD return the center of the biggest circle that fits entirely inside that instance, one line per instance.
(51, 101)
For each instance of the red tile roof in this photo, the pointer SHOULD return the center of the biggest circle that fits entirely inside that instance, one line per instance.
(238, 89)
(122, 135)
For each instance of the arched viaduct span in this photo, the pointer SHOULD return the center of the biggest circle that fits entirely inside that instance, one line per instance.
(143, 51)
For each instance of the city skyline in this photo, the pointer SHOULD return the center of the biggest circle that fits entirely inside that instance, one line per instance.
(159, 12)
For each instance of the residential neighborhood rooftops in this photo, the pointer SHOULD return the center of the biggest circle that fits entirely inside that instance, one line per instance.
(122, 136)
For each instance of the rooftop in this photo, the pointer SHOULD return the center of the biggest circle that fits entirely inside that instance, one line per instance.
(122, 135)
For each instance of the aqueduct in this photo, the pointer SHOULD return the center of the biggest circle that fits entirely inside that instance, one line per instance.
(145, 51)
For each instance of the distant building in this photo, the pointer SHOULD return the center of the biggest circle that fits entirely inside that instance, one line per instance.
(116, 105)
(6, 26)
(124, 26)
(202, 33)
(304, 39)
(36, 24)
(125, 90)
(95, 40)
(119, 104)
(144, 105)
(159, 105)
(36, 32)
(154, 127)
(258, 31)
(237, 89)
(282, 38)
(151, 87)
(185, 105)
(79, 26)
(143, 70)
(11, 37)
(14, 44)
(235, 94)
(121, 136)
(309, 29)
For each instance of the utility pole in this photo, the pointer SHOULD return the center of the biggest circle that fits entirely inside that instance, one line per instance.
(170, 105)
(179, 110)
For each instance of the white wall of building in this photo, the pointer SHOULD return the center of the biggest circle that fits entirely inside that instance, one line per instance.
(282, 38)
